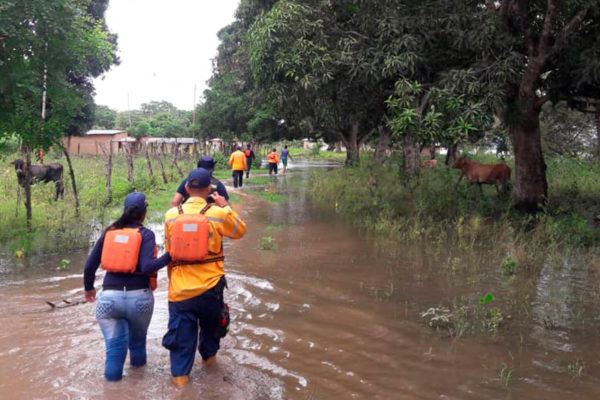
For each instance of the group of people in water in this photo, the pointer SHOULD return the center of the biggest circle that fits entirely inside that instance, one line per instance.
(195, 226)
(241, 162)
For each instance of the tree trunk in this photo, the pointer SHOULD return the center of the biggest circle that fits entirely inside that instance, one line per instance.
(432, 151)
(149, 162)
(531, 187)
(451, 154)
(129, 158)
(72, 175)
(174, 163)
(107, 170)
(382, 145)
(27, 185)
(597, 118)
(161, 166)
(352, 145)
(411, 154)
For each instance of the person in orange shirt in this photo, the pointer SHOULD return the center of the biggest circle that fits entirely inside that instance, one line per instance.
(196, 285)
(273, 161)
(238, 165)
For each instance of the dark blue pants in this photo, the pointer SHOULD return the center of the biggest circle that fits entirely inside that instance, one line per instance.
(182, 338)
(249, 167)
(238, 178)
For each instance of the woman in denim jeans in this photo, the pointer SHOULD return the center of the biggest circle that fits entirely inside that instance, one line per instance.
(124, 308)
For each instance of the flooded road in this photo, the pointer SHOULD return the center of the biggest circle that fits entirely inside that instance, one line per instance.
(328, 313)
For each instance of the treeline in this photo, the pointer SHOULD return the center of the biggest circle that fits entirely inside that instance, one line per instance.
(409, 74)
(156, 118)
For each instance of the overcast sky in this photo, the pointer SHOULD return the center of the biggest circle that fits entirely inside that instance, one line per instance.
(165, 47)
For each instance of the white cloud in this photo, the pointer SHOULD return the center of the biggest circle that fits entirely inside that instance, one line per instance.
(165, 47)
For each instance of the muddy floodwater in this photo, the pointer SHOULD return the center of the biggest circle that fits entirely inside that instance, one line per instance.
(328, 313)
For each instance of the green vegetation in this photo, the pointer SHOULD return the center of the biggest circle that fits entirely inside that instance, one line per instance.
(267, 243)
(432, 206)
(56, 226)
(267, 195)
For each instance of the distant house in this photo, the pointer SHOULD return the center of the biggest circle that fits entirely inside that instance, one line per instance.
(89, 143)
(186, 145)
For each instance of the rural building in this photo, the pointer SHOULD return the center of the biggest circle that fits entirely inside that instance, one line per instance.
(89, 144)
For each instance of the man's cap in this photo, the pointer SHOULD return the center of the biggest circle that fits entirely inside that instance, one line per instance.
(137, 200)
(206, 162)
(199, 178)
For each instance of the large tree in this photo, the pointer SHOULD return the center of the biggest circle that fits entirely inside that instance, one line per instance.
(528, 52)
(50, 51)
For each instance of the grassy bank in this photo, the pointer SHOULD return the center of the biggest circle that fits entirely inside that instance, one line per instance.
(56, 226)
(434, 206)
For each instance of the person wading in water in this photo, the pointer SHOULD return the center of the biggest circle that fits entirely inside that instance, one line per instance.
(208, 163)
(194, 235)
(273, 161)
(285, 153)
(237, 162)
(250, 157)
(126, 251)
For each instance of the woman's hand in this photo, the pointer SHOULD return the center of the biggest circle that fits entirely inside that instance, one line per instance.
(90, 295)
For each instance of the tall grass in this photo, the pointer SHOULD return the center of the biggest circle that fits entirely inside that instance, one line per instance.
(55, 225)
(435, 206)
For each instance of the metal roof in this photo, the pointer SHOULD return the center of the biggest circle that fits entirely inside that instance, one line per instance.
(104, 132)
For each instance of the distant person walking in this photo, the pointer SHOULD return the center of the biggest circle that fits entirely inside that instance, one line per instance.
(250, 157)
(285, 153)
(273, 161)
(238, 165)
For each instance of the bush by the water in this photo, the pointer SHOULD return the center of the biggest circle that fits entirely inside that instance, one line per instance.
(433, 205)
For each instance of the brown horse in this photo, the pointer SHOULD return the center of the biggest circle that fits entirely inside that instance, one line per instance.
(491, 174)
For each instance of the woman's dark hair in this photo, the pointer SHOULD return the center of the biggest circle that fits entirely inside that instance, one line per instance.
(130, 216)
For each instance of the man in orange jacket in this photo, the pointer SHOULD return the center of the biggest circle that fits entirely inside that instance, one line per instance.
(238, 165)
(273, 161)
(196, 287)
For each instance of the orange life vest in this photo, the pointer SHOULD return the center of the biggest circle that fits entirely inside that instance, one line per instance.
(272, 157)
(121, 250)
(189, 236)
(247, 153)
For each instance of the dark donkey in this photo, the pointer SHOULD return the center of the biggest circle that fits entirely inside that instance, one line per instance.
(42, 173)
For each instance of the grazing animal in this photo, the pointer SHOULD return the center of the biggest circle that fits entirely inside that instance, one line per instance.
(430, 163)
(491, 174)
(42, 173)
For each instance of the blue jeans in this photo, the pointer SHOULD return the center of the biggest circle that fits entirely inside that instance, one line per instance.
(124, 317)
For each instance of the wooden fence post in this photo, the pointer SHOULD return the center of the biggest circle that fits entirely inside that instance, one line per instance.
(149, 162)
(72, 174)
(129, 157)
(174, 162)
(161, 166)
(107, 170)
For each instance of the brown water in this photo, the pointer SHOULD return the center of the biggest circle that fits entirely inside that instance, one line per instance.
(328, 314)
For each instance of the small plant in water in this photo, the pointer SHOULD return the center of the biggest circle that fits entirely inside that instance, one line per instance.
(488, 298)
(576, 368)
(509, 265)
(64, 264)
(268, 243)
(506, 375)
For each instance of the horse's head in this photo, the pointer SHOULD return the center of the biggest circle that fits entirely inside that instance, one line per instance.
(460, 162)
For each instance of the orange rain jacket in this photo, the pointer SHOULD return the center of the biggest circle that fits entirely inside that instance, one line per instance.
(237, 161)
